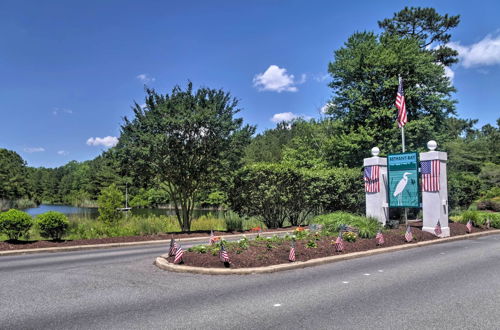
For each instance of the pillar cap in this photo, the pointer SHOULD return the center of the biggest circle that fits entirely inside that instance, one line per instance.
(432, 145)
(375, 151)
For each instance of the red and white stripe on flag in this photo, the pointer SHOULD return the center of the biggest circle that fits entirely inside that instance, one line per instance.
(372, 178)
(401, 105)
(291, 256)
(430, 170)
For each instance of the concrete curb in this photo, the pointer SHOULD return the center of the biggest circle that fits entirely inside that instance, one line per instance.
(162, 263)
(126, 244)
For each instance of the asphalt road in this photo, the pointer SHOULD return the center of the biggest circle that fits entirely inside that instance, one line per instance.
(447, 286)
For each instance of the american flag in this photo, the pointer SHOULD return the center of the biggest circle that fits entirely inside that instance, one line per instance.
(178, 254)
(291, 256)
(339, 243)
(371, 177)
(380, 238)
(212, 238)
(437, 229)
(223, 256)
(173, 247)
(469, 226)
(401, 105)
(408, 234)
(430, 175)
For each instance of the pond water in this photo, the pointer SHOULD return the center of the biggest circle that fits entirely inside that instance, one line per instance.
(91, 212)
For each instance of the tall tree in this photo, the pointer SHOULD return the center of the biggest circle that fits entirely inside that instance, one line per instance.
(428, 27)
(365, 79)
(188, 139)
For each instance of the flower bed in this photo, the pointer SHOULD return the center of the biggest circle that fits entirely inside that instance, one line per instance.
(275, 250)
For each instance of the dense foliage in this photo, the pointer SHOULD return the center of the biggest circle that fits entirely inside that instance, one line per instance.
(52, 224)
(109, 201)
(15, 223)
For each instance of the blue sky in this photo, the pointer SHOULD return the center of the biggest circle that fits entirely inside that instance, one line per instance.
(70, 70)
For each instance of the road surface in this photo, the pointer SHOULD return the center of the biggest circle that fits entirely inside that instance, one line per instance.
(454, 285)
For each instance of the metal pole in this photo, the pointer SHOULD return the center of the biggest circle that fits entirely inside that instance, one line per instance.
(403, 138)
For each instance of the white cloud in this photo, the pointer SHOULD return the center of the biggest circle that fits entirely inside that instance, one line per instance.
(108, 141)
(284, 116)
(145, 78)
(449, 73)
(62, 152)
(321, 77)
(57, 111)
(484, 52)
(324, 109)
(276, 79)
(34, 149)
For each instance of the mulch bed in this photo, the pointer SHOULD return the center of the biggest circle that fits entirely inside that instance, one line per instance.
(259, 255)
(18, 245)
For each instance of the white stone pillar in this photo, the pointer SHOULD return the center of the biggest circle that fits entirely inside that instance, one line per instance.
(376, 202)
(435, 203)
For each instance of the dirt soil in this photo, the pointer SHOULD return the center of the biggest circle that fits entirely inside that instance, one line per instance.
(18, 245)
(258, 254)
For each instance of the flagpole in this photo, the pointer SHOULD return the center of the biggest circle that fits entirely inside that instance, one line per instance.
(404, 150)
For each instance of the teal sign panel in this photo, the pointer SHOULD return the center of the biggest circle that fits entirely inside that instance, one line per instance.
(404, 189)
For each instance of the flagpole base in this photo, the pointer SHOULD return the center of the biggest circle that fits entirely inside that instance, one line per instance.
(445, 231)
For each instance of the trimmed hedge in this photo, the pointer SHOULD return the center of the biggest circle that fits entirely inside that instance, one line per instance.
(15, 223)
(52, 224)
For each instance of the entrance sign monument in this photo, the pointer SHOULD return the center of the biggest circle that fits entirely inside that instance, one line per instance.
(400, 186)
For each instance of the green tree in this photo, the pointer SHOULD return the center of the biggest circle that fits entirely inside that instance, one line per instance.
(109, 201)
(426, 26)
(13, 176)
(188, 139)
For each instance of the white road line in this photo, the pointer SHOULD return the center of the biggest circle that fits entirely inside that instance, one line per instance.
(366, 274)
(277, 305)
(345, 282)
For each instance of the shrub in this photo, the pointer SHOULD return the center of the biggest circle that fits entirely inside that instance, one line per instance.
(52, 224)
(208, 222)
(463, 189)
(332, 222)
(367, 227)
(15, 223)
(473, 216)
(109, 201)
(349, 236)
(233, 221)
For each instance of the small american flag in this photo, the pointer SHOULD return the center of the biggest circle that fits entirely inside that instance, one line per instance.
(437, 229)
(371, 177)
(469, 226)
(173, 247)
(339, 243)
(291, 256)
(430, 175)
(408, 234)
(178, 255)
(401, 105)
(380, 238)
(223, 256)
(212, 238)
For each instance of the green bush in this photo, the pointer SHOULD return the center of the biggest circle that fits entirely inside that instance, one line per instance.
(474, 216)
(52, 224)
(463, 189)
(109, 201)
(332, 222)
(349, 236)
(15, 223)
(233, 221)
(280, 193)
